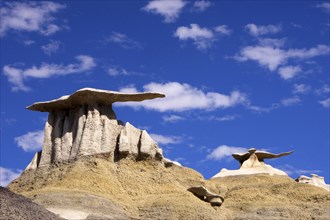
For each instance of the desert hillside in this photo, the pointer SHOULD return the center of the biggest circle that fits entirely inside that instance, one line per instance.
(95, 188)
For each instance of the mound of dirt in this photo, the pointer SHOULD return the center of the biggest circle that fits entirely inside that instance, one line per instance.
(95, 188)
(263, 196)
(13, 206)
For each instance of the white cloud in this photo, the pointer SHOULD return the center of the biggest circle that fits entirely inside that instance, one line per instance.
(325, 6)
(301, 88)
(172, 118)
(183, 97)
(202, 37)
(17, 76)
(123, 41)
(225, 118)
(290, 170)
(325, 103)
(118, 71)
(288, 72)
(271, 57)
(223, 29)
(113, 71)
(290, 101)
(8, 175)
(323, 90)
(29, 16)
(224, 151)
(52, 47)
(170, 10)
(31, 141)
(129, 89)
(256, 31)
(202, 5)
(164, 139)
(28, 42)
(272, 42)
(266, 56)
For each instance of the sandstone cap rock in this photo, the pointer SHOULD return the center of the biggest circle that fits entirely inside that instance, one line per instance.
(87, 96)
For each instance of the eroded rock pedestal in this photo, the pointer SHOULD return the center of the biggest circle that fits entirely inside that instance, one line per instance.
(84, 124)
(314, 180)
(252, 162)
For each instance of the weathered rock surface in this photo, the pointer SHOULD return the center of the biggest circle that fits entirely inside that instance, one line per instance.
(314, 180)
(252, 162)
(13, 206)
(84, 124)
(95, 188)
(205, 195)
(87, 96)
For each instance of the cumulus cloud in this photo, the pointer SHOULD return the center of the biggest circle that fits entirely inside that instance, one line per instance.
(31, 141)
(223, 29)
(301, 88)
(172, 118)
(271, 57)
(256, 31)
(8, 175)
(52, 47)
(29, 16)
(224, 151)
(183, 97)
(288, 72)
(202, 37)
(165, 139)
(325, 103)
(202, 5)
(123, 41)
(16, 76)
(290, 101)
(170, 10)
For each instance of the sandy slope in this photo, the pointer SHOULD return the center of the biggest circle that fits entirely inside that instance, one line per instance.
(13, 206)
(96, 188)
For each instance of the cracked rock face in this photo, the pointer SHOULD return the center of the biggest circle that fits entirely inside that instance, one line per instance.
(76, 129)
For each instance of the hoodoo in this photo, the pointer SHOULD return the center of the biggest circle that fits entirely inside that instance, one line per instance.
(84, 123)
(252, 162)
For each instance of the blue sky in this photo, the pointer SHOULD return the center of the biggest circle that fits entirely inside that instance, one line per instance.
(237, 75)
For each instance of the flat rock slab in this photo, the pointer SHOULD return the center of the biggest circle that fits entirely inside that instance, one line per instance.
(88, 96)
(204, 194)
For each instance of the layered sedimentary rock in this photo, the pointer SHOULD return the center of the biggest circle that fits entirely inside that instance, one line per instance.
(252, 162)
(314, 180)
(84, 124)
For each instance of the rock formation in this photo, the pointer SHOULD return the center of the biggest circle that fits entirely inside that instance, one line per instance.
(84, 124)
(252, 162)
(205, 195)
(314, 180)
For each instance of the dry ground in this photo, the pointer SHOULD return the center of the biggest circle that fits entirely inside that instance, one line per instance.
(99, 189)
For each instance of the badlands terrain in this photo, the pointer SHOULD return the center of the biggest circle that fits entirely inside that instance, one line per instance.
(92, 166)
